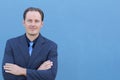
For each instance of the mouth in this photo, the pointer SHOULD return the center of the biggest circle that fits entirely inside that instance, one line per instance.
(32, 29)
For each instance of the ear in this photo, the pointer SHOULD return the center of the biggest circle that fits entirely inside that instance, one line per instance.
(42, 24)
(23, 22)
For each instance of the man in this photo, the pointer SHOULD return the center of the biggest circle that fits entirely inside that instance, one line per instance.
(30, 56)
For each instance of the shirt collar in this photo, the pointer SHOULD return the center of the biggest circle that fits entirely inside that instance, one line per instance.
(34, 41)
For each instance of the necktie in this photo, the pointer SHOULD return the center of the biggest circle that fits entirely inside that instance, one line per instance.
(30, 48)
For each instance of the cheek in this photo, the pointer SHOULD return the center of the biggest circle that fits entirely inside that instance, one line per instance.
(39, 26)
(27, 27)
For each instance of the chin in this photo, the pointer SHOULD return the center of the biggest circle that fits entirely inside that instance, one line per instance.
(32, 34)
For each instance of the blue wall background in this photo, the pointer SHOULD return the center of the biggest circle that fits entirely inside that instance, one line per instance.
(86, 31)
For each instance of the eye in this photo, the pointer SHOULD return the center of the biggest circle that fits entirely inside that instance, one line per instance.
(29, 20)
(37, 21)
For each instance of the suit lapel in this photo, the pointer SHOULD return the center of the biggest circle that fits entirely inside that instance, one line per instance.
(36, 50)
(24, 48)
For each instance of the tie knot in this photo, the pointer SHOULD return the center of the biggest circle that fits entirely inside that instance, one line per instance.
(31, 44)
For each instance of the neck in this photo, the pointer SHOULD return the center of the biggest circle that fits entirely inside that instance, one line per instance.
(32, 37)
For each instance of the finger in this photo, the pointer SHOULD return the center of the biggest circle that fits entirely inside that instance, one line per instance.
(52, 63)
(8, 71)
(49, 62)
(48, 67)
(46, 62)
(7, 68)
(8, 64)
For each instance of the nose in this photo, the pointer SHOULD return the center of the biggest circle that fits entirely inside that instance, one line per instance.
(33, 23)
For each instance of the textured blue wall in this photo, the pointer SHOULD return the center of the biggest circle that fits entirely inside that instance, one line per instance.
(86, 31)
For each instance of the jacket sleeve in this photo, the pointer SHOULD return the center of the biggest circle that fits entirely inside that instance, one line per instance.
(8, 58)
(49, 74)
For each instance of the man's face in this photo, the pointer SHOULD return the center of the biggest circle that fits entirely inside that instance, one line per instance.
(33, 23)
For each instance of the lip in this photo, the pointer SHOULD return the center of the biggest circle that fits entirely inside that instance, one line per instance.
(32, 29)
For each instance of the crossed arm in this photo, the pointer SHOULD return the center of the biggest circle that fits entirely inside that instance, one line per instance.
(46, 71)
(17, 70)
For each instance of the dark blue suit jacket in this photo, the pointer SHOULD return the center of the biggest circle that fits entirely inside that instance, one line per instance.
(16, 52)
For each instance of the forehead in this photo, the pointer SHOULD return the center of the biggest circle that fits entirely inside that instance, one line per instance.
(33, 14)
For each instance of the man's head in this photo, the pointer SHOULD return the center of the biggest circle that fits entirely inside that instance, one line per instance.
(33, 20)
(33, 9)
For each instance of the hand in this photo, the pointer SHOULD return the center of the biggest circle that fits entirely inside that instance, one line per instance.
(46, 65)
(14, 69)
